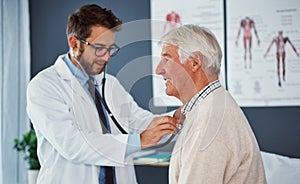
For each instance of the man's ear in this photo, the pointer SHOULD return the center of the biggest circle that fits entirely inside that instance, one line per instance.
(195, 66)
(196, 61)
(72, 41)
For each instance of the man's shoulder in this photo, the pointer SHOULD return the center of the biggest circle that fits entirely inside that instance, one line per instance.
(52, 71)
(45, 73)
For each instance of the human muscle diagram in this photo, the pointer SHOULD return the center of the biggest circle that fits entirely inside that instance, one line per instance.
(280, 42)
(263, 45)
(247, 25)
(173, 21)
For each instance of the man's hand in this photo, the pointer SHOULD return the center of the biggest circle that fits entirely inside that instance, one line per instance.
(159, 127)
(177, 113)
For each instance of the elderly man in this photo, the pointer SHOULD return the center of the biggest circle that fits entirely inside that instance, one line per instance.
(216, 143)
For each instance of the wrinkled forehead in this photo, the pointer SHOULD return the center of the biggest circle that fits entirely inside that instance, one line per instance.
(169, 51)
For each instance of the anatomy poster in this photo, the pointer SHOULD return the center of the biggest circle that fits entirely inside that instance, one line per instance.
(169, 14)
(263, 46)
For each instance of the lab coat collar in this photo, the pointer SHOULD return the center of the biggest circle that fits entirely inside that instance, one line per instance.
(64, 72)
(62, 69)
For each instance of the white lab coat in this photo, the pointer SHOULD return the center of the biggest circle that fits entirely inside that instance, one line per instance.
(71, 146)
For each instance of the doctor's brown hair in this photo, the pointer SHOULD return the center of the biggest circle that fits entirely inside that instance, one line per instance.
(80, 22)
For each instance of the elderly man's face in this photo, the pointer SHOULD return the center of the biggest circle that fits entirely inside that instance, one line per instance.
(173, 71)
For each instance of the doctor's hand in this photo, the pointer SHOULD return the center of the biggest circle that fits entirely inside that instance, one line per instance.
(159, 127)
(177, 113)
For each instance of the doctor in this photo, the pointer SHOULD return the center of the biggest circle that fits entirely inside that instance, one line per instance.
(72, 145)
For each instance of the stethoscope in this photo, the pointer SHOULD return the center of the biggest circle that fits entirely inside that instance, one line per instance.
(102, 99)
(177, 131)
(121, 129)
(106, 106)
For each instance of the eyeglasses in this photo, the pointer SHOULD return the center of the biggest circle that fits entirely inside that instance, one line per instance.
(102, 50)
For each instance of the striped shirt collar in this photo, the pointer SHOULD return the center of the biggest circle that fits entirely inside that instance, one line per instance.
(200, 95)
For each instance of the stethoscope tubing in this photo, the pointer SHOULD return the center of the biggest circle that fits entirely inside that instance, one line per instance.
(121, 128)
(108, 110)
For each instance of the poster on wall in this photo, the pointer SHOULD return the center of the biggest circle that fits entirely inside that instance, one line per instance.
(263, 46)
(169, 14)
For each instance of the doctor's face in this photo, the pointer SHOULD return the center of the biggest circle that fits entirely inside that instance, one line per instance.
(95, 52)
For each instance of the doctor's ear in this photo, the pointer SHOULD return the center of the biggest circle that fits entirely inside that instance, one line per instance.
(72, 41)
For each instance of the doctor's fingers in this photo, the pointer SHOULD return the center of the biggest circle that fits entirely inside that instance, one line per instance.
(157, 132)
(177, 113)
(163, 119)
(165, 126)
(152, 136)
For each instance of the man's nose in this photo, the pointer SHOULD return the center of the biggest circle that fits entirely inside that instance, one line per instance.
(159, 69)
(106, 57)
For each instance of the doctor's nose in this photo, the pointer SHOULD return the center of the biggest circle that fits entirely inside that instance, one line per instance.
(106, 57)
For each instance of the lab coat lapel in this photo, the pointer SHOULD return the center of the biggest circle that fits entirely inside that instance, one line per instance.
(74, 87)
(65, 73)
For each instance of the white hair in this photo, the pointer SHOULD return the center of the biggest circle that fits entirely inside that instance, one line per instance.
(191, 39)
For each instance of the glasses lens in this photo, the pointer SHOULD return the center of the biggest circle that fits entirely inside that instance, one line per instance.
(113, 51)
(101, 51)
